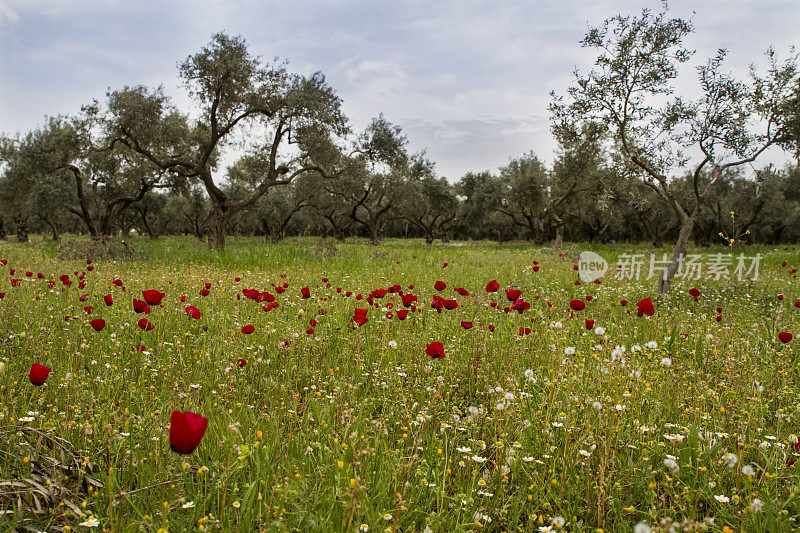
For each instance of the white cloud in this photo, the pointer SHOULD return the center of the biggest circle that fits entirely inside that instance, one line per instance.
(7, 14)
(467, 79)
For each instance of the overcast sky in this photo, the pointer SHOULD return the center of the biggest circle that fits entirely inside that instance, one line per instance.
(467, 80)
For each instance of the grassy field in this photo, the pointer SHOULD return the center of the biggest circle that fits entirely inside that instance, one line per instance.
(684, 417)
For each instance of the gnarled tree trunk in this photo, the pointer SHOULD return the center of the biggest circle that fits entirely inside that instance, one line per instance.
(216, 225)
(22, 228)
(559, 228)
(687, 224)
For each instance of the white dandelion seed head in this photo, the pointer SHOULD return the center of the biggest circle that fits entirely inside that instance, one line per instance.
(671, 464)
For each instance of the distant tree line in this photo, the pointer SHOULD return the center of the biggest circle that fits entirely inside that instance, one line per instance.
(135, 162)
(525, 200)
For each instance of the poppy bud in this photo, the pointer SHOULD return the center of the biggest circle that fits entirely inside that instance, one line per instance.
(38, 374)
(186, 430)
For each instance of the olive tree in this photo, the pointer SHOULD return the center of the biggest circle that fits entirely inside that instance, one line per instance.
(235, 93)
(427, 202)
(630, 90)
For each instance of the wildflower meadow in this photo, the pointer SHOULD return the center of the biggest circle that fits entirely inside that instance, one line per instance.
(401, 387)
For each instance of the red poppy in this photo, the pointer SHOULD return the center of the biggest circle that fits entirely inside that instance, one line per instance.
(265, 297)
(306, 292)
(186, 430)
(577, 305)
(524, 331)
(98, 324)
(784, 336)
(204, 292)
(153, 297)
(145, 324)
(208, 285)
(513, 294)
(251, 293)
(402, 314)
(466, 325)
(117, 282)
(108, 299)
(493, 286)
(462, 292)
(310, 331)
(450, 304)
(408, 299)
(536, 268)
(38, 374)
(435, 350)
(694, 293)
(646, 307)
(589, 324)
(248, 329)
(88, 309)
(491, 327)
(193, 312)
(440, 285)
(623, 302)
(141, 347)
(520, 306)
(780, 297)
(140, 306)
(359, 317)
(718, 318)
(241, 362)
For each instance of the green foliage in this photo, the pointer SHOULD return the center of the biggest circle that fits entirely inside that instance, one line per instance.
(693, 421)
